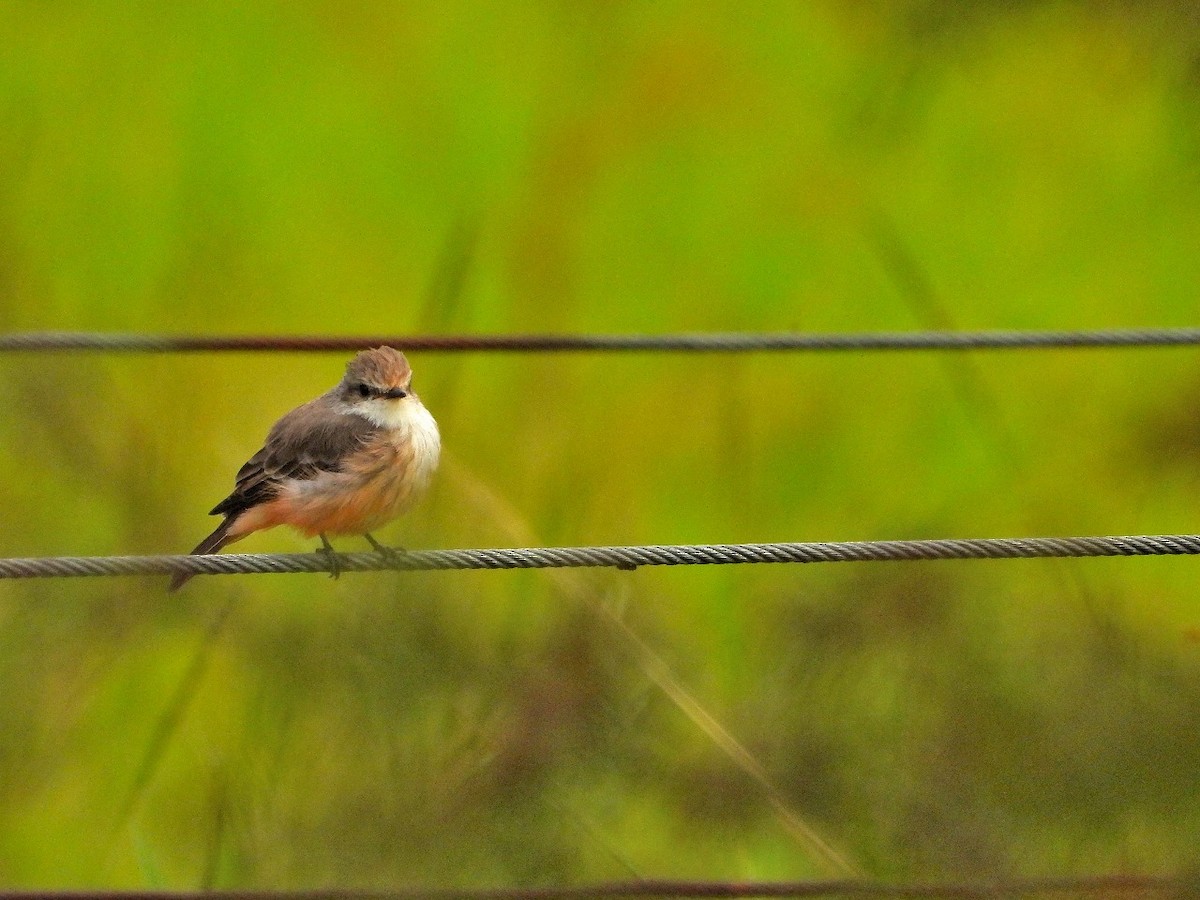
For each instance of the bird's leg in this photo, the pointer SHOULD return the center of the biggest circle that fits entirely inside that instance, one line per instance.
(326, 550)
(392, 555)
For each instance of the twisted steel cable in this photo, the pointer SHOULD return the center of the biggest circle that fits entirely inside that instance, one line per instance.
(1095, 885)
(626, 558)
(715, 342)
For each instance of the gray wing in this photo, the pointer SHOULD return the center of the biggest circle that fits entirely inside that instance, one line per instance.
(311, 439)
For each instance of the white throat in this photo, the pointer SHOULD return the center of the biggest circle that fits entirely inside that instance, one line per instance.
(408, 419)
(408, 414)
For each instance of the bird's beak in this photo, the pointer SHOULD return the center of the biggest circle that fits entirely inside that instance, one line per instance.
(396, 394)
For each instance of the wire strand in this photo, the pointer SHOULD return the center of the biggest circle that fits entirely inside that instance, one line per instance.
(713, 342)
(1098, 885)
(626, 558)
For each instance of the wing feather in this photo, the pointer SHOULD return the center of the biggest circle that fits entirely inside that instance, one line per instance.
(311, 439)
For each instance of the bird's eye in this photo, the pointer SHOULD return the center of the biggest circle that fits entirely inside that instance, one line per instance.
(363, 390)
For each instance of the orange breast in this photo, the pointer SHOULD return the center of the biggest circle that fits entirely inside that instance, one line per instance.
(375, 487)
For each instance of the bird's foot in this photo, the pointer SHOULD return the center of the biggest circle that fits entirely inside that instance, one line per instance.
(392, 554)
(335, 562)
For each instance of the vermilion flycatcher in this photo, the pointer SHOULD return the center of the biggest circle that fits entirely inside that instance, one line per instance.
(345, 463)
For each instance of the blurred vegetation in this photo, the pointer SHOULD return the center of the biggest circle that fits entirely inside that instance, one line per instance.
(391, 168)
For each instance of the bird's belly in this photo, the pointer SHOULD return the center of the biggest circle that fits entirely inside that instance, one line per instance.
(337, 504)
(386, 481)
(377, 484)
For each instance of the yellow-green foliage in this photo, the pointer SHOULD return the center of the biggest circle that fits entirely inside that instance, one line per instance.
(386, 168)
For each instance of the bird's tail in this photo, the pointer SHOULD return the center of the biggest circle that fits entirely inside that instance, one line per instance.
(211, 544)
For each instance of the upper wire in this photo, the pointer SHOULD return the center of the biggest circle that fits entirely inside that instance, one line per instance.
(690, 342)
(1127, 885)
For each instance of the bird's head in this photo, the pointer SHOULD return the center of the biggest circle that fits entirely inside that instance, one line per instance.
(378, 385)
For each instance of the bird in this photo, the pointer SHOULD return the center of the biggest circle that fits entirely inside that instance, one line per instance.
(344, 463)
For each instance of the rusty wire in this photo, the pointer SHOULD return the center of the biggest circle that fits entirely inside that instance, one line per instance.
(694, 342)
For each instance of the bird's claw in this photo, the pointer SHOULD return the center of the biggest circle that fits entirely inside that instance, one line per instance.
(335, 563)
(392, 554)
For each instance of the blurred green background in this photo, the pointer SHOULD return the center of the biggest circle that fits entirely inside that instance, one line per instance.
(327, 167)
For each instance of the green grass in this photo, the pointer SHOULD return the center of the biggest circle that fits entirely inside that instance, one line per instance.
(327, 168)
